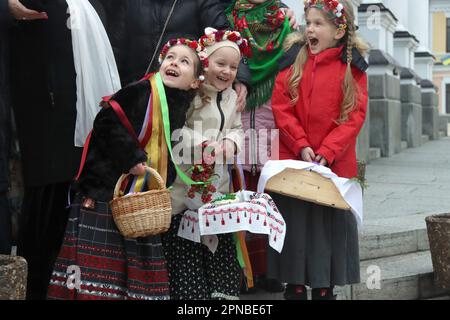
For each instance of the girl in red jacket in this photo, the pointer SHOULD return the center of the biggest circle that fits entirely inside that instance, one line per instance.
(319, 106)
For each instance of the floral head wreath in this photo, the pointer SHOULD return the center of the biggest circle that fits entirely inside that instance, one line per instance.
(194, 45)
(212, 36)
(333, 8)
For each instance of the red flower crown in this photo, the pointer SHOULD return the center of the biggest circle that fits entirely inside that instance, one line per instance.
(212, 36)
(333, 8)
(194, 45)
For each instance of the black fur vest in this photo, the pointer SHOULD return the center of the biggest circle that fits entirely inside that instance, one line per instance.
(113, 151)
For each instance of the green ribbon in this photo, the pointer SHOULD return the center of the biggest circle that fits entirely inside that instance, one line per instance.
(239, 254)
(166, 124)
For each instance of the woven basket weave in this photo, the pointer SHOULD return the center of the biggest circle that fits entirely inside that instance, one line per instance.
(438, 227)
(142, 214)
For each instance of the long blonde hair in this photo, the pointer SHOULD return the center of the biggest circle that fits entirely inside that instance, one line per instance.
(349, 87)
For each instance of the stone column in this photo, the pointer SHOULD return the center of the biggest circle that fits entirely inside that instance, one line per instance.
(444, 120)
(405, 45)
(430, 113)
(419, 18)
(377, 26)
(411, 99)
(385, 106)
(419, 12)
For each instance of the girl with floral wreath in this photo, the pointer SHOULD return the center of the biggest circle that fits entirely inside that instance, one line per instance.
(123, 140)
(264, 24)
(195, 271)
(319, 104)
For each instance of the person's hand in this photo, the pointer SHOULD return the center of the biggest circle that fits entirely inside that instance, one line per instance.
(321, 160)
(88, 203)
(241, 91)
(139, 169)
(209, 153)
(20, 12)
(307, 154)
(291, 16)
(228, 148)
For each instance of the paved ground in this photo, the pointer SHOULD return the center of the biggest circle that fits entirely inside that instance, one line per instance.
(414, 181)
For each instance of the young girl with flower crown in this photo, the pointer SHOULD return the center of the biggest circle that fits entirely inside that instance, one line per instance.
(194, 271)
(123, 140)
(319, 105)
(265, 26)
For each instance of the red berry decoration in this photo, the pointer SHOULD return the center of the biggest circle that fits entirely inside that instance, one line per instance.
(204, 173)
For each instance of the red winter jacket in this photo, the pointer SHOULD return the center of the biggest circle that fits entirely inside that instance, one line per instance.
(311, 121)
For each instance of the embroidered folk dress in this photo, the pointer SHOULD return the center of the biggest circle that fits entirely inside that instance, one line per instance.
(195, 272)
(111, 266)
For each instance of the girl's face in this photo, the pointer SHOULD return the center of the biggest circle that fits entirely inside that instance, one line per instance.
(321, 33)
(222, 69)
(178, 68)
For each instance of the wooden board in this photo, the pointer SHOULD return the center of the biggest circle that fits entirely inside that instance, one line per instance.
(307, 185)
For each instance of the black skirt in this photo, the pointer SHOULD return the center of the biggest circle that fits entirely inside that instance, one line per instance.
(321, 246)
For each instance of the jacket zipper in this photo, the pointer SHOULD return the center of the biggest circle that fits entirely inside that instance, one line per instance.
(313, 75)
(222, 117)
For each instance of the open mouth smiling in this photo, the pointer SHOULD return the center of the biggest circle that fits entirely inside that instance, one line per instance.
(222, 79)
(313, 41)
(172, 73)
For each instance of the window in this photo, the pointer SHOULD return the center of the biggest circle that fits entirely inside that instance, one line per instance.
(447, 98)
(448, 34)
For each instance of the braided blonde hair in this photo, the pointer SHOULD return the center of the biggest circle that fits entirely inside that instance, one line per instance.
(350, 89)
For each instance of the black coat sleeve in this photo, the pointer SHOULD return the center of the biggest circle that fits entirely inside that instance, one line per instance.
(99, 6)
(117, 29)
(212, 14)
(5, 16)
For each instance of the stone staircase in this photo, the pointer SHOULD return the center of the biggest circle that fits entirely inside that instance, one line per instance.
(398, 248)
(402, 191)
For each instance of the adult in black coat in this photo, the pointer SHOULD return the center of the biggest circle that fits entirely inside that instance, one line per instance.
(43, 85)
(5, 124)
(138, 25)
(9, 10)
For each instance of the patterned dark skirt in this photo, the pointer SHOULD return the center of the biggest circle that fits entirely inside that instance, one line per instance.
(107, 265)
(197, 274)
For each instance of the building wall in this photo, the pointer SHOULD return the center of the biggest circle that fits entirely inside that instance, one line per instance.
(439, 23)
(441, 78)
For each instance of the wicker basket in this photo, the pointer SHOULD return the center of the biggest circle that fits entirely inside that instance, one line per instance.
(142, 214)
(438, 227)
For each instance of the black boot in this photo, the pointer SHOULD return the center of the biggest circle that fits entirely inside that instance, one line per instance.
(323, 294)
(273, 285)
(295, 292)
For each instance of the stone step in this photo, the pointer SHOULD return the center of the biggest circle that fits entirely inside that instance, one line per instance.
(343, 293)
(374, 153)
(446, 297)
(402, 277)
(425, 138)
(393, 236)
(404, 145)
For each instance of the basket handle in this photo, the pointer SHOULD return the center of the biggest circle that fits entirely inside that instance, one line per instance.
(153, 173)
